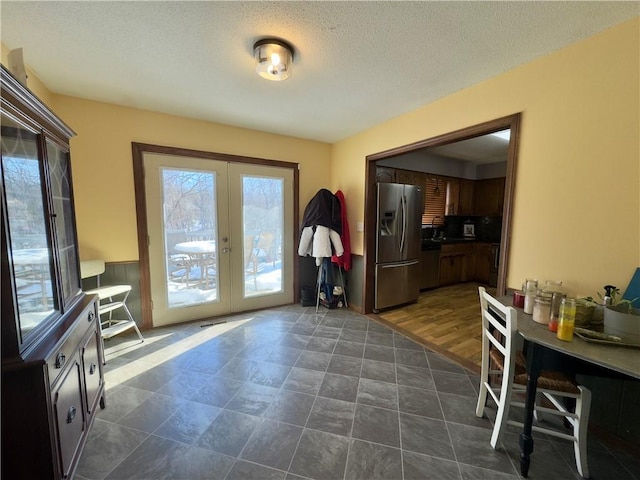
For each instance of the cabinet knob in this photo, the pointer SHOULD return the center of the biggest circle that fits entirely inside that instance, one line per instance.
(60, 359)
(91, 316)
(92, 369)
(71, 414)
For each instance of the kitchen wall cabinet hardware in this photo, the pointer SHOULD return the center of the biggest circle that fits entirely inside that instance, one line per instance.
(49, 326)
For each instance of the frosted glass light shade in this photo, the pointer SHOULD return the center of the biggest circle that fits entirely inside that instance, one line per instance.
(274, 59)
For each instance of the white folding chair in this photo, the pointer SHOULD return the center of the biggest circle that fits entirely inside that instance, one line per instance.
(111, 297)
(499, 330)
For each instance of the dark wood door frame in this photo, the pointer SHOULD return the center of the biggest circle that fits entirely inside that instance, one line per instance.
(512, 122)
(138, 151)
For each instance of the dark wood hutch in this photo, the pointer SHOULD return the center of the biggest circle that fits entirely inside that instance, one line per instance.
(52, 355)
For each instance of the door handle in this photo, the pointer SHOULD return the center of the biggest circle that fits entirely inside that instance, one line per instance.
(403, 204)
(60, 359)
(71, 414)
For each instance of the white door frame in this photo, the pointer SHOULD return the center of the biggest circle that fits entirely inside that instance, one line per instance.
(138, 151)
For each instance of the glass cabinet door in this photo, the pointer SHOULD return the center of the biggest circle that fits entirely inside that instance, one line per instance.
(30, 252)
(60, 174)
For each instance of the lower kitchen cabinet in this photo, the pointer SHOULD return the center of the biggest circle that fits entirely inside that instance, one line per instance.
(429, 269)
(456, 263)
(450, 269)
(483, 262)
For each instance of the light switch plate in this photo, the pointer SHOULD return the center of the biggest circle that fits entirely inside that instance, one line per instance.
(360, 227)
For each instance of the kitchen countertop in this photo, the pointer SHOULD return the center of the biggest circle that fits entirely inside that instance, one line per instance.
(434, 244)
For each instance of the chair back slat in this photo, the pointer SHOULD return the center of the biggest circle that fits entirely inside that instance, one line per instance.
(497, 317)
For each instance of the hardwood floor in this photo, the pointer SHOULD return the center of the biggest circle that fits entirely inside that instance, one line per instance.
(446, 320)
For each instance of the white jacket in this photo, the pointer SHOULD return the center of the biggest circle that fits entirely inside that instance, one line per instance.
(318, 245)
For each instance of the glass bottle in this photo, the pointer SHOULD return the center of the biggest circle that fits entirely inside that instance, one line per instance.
(556, 301)
(567, 319)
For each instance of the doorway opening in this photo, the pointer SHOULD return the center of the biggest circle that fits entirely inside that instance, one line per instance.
(511, 122)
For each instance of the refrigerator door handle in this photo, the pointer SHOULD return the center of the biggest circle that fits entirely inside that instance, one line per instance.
(403, 204)
(397, 265)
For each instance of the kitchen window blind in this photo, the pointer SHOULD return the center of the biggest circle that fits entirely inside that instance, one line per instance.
(435, 196)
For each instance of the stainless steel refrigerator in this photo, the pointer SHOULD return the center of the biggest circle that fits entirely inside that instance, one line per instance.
(397, 273)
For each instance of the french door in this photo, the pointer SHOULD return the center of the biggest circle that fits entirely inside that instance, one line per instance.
(219, 236)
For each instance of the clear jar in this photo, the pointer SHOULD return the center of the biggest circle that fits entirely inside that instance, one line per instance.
(530, 290)
(542, 308)
(556, 301)
(567, 319)
(553, 286)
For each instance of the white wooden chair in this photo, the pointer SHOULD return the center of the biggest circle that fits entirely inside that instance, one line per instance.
(499, 331)
(111, 297)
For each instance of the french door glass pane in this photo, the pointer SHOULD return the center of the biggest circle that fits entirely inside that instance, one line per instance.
(262, 226)
(190, 230)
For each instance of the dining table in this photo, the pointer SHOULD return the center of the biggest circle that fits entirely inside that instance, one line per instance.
(545, 350)
(202, 252)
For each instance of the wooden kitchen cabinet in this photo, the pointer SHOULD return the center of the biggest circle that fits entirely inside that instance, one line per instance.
(409, 177)
(489, 196)
(385, 175)
(450, 269)
(482, 268)
(460, 197)
(456, 263)
(466, 199)
(452, 205)
(398, 175)
(52, 377)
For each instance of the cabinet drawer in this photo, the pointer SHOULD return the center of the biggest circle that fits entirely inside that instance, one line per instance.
(61, 356)
(69, 413)
(92, 367)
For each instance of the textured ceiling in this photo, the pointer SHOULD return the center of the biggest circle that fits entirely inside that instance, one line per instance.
(356, 64)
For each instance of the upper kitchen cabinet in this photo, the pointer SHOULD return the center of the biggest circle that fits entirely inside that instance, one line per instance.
(397, 175)
(460, 197)
(488, 196)
(467, 188)
(409, 177)
(385, 175)
(453, 197)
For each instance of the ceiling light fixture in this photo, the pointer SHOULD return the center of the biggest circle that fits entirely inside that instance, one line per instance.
(274, 59)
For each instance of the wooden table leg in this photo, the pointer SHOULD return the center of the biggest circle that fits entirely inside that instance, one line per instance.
(534, 366)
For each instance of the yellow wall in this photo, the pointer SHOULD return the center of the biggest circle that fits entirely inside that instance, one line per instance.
(577, 196)
(103, 172)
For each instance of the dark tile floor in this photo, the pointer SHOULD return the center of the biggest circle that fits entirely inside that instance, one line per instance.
(286, 393)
